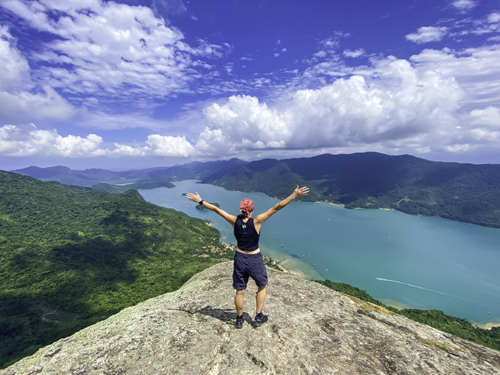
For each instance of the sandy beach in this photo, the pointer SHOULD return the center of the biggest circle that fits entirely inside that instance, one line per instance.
(333, 204)
(488, 324)
(292, 264)
(396, 304)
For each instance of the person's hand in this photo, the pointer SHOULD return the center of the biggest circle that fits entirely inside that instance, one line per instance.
(194, 197)
(300, 192)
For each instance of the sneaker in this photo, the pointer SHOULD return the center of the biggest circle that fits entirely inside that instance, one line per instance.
(239, 323)
(259, 320)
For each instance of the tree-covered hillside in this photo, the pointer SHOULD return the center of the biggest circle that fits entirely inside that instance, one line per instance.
(463, 192)
(140, 178)
(72, 256)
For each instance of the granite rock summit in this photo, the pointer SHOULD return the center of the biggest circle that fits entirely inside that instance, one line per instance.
(311, 330)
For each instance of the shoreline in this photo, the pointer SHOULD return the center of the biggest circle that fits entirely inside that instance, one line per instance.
(359, 208)
(396, 304)
(286, 262)
(293, 265)
(333, 204)
(488, 325)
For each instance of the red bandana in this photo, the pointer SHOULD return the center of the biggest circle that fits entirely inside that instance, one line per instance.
(246, 205)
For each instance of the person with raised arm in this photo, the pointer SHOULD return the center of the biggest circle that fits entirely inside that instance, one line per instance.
(248, 261)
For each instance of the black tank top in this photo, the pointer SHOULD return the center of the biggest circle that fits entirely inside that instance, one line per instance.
(246, 235)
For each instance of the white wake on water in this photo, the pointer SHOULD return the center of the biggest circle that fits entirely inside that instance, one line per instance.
(413, 286)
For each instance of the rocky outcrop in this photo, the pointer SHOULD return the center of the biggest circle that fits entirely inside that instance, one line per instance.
(311, 330)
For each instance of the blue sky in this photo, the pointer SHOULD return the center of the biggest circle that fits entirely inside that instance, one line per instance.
(142, 83)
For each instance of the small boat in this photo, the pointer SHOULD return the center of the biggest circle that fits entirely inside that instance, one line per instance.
(327, 269)
(489, 313)
(281, 245)
(314, 264)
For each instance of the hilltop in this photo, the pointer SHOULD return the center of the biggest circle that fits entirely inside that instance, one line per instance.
(311, 330)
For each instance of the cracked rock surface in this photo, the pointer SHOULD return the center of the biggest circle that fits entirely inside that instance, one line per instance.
(311, 330)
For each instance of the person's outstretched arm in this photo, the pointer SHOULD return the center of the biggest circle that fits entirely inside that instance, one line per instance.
(231, 219)
(260, 219)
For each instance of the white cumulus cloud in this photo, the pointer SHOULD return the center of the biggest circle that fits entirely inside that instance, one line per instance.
(477, 70)
(399, 104)
(494, 17)
(169, 146)
(464, 4)
(356, 53)
(28, 140)
(489, 117)
(242, 123)
(427, 34)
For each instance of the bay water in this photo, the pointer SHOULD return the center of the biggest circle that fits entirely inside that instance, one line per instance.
(399, 259)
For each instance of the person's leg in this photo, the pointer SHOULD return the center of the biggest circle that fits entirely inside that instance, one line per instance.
(240, 280)
(239, 299)
(260, 276)
(261, 298)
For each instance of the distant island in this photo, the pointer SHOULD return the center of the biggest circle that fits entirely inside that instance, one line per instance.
(464, 192)
(203, 208)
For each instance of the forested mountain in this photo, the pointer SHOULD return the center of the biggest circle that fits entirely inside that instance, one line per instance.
(111, 181)
(72, 256)
(68, 176)
(463, 192)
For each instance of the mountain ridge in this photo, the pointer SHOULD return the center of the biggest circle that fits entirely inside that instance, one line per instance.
(457, 191)
(463, 192)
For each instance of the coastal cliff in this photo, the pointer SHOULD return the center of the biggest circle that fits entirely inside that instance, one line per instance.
(311, 330)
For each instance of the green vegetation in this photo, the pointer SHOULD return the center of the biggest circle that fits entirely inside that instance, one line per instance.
(203, 208)
(271, 263)
(71, 256)
(350, 290)
(434, 318)
(456, 326)
(462, 192)
(135, 186)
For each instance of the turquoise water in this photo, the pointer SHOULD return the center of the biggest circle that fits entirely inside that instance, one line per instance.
(420, 262)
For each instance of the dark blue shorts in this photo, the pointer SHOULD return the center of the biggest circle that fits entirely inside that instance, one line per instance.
(246, 265)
